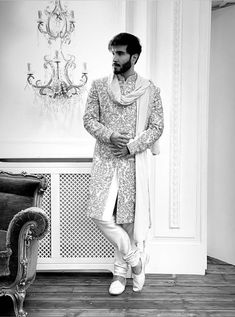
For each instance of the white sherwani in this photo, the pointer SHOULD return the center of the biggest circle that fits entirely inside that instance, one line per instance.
(103, 117)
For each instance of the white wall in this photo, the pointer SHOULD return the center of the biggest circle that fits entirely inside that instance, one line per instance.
(221, 162)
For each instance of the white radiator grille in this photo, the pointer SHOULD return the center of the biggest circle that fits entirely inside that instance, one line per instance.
(79, 237)
(45, 243)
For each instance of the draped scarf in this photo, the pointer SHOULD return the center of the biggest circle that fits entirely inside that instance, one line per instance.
(141, 94)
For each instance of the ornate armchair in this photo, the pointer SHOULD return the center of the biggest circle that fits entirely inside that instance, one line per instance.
(22, 224)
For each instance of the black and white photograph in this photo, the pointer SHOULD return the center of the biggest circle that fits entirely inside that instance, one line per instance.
(117, 158)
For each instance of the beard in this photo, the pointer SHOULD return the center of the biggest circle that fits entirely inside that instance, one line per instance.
(123, 68)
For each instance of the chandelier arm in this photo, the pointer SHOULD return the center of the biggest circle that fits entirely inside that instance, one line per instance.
(64, 34)
(69, 30)
(76, 91)
(42, 93)
(70, 63)
(59, 5)
(48, 29)
(49, 62)
(83, 83)
(37, 83)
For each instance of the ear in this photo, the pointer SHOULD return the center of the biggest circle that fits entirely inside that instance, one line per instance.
(134, 58)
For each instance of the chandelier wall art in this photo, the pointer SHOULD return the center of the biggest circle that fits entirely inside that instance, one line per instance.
(58, 91)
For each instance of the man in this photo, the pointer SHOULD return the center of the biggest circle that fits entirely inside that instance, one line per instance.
(124, 114)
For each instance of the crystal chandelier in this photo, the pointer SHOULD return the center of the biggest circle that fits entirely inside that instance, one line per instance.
(57, 25)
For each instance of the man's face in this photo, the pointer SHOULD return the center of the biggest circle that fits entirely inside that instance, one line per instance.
(121, 59)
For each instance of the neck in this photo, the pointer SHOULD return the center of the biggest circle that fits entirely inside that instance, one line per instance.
(128, 73)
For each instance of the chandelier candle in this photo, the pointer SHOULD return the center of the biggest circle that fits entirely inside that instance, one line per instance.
(39, 15)
(84, 68)
(29, 68)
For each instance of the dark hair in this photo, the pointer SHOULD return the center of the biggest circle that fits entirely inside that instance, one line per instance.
(132, 42)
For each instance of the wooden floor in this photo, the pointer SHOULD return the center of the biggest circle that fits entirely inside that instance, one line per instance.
(86, 295)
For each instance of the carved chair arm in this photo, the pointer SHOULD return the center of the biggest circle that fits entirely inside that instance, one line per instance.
(25, 229)
(38, 228)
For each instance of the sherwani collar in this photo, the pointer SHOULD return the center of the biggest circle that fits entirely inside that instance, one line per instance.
(129, 79)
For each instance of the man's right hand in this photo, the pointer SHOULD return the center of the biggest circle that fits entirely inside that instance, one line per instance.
(119, 139)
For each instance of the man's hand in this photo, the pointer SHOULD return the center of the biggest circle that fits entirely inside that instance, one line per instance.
(119, 152)
(119, 144)
(119, 140)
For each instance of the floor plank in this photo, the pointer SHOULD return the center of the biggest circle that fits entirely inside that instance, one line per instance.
(86, 295)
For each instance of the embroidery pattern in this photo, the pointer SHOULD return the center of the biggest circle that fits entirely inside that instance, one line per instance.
(103, 117)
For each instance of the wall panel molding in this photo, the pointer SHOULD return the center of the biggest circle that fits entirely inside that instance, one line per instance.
(175, 118)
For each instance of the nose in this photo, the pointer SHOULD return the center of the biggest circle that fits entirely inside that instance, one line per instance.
(115, 57)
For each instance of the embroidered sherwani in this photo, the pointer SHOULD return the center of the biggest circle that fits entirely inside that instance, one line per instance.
(103, 117)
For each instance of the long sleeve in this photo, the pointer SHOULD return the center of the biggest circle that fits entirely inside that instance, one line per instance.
(91, 118)
(154, 127)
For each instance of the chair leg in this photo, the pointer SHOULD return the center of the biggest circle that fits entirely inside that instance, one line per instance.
(18, 301)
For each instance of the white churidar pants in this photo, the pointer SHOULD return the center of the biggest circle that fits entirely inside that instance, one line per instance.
(119, 235)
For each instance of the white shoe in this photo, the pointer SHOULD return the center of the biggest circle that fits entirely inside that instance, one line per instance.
(118, 285)
(139, 279)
